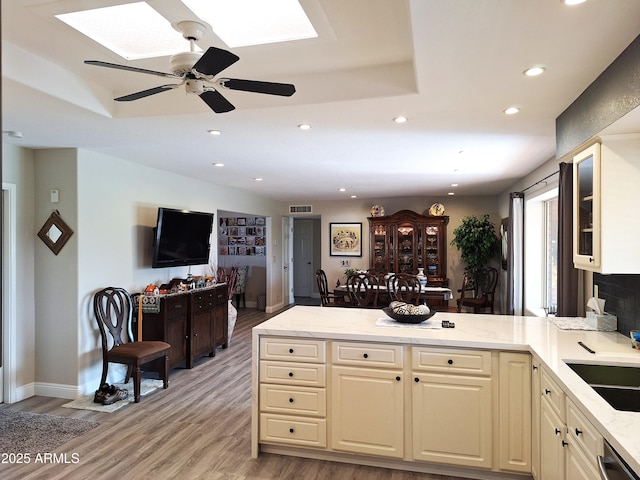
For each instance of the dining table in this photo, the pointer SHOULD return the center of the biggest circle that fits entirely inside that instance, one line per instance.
(430, 293)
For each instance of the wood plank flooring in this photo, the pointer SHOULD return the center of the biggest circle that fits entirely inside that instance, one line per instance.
(199, 428)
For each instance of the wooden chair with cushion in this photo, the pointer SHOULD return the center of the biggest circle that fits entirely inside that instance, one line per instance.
(479, 294)
(113, 310)
(404, 287)
(327, 299)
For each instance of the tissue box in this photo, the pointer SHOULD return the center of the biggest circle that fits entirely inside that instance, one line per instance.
(606, 322)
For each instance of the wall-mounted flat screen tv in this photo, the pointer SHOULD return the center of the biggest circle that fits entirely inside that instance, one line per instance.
(181, 237)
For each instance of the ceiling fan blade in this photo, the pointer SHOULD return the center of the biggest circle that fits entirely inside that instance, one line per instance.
(98, 63)
(216, 101)
(270, 88)
(214, 60)
(145, 93)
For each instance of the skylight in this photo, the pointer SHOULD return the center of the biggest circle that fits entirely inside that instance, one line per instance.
(240, 23)
(133, 30)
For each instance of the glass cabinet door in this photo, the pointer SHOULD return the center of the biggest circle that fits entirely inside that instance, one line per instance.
(432, 246)
(586, 208)
(406, 248)
(380, 248)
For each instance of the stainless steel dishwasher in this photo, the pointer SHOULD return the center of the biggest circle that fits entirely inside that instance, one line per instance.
(613, 467)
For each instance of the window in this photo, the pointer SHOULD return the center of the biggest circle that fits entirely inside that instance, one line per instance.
(541, 253)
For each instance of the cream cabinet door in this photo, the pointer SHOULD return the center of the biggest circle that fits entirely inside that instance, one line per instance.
(515, 412)
(452, 419)
(536, 397)
(552, 443)
(367, 411)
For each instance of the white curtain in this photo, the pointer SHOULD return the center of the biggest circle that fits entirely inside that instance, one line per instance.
(515, 274)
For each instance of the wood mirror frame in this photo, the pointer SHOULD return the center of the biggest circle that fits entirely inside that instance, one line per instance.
(55, 233)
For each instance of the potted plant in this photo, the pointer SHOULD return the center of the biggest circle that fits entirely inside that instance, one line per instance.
(477, 241)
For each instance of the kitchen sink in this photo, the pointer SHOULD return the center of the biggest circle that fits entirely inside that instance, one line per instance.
(619, 386)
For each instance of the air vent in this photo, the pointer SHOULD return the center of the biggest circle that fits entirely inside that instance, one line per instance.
(300, 209)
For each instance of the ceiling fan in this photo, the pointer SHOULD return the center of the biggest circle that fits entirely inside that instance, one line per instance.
(197, 72)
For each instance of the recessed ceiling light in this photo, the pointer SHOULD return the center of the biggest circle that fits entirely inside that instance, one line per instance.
(304, 126)
(354, 196)
(254, 22)
(215, 132)
(450, 193)
(400, 119)
(511, 110)
(258, 179)
(218, 164)
(573, 2)
(534, 71)
(454, 184)
(342, 189)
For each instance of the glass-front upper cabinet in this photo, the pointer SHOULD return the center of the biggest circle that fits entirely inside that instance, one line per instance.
(586, 208)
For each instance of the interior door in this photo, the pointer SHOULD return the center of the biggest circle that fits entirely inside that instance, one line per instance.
(287, 260)
(303, 258)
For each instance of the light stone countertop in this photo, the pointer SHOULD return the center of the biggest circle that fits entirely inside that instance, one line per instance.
(502, 332)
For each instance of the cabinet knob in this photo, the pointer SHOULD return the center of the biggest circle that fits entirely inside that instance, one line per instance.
(578, 432)
(195, 334)
(450, 362)
(291, 350)
(547, 391)
(291, 430)
(291, 374)
(398, 378)
(564, 444)
(366, 355)
(558, 431)
(416, 379)
(535, 367)
(291, 400)
(590, 260)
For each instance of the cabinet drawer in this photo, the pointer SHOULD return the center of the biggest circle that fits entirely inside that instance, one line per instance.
(583, 434)
(176, 306)
(293, 430)
(553, 393)
(290, 373)
(219, 295)
(201, 299)
(293, 400)
(313, 351)
(367, 354)
(469, 362)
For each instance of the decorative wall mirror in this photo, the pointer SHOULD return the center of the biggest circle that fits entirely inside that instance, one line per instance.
(55, 232)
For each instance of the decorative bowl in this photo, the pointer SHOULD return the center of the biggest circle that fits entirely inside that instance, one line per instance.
(408, 318)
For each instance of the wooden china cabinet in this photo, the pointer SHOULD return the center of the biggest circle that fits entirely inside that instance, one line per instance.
(406, 241)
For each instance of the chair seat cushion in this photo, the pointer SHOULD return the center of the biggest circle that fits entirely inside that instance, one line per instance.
(139, 349)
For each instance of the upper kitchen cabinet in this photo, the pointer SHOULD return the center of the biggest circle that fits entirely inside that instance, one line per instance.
(606, 180)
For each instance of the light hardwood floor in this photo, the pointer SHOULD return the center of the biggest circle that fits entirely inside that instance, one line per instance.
(199, 428)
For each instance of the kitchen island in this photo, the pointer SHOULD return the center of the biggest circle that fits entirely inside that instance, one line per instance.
(321, 376)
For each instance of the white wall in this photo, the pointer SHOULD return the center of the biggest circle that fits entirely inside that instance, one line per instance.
(111, 205)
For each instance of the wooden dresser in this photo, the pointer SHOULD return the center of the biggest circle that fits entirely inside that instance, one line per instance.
(194, 323)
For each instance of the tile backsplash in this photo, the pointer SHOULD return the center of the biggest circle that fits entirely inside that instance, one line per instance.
(622, 295)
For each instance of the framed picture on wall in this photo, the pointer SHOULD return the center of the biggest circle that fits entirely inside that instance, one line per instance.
(345, 239)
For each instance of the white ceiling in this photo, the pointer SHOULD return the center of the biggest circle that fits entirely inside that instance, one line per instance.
(450, 66)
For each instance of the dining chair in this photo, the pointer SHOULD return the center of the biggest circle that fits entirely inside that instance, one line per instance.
(363, 290)
(406, 288)
(327, 299)
(478, 293)
(113, 310)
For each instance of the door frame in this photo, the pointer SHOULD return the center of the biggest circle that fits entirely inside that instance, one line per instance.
(9, 338)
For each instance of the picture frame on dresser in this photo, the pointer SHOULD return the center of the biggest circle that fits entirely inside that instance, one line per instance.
(345, 239)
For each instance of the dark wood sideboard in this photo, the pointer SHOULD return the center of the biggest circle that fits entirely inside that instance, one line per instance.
(194, 323)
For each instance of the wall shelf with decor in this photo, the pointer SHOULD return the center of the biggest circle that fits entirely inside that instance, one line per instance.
(242, 236)
(406, 241)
